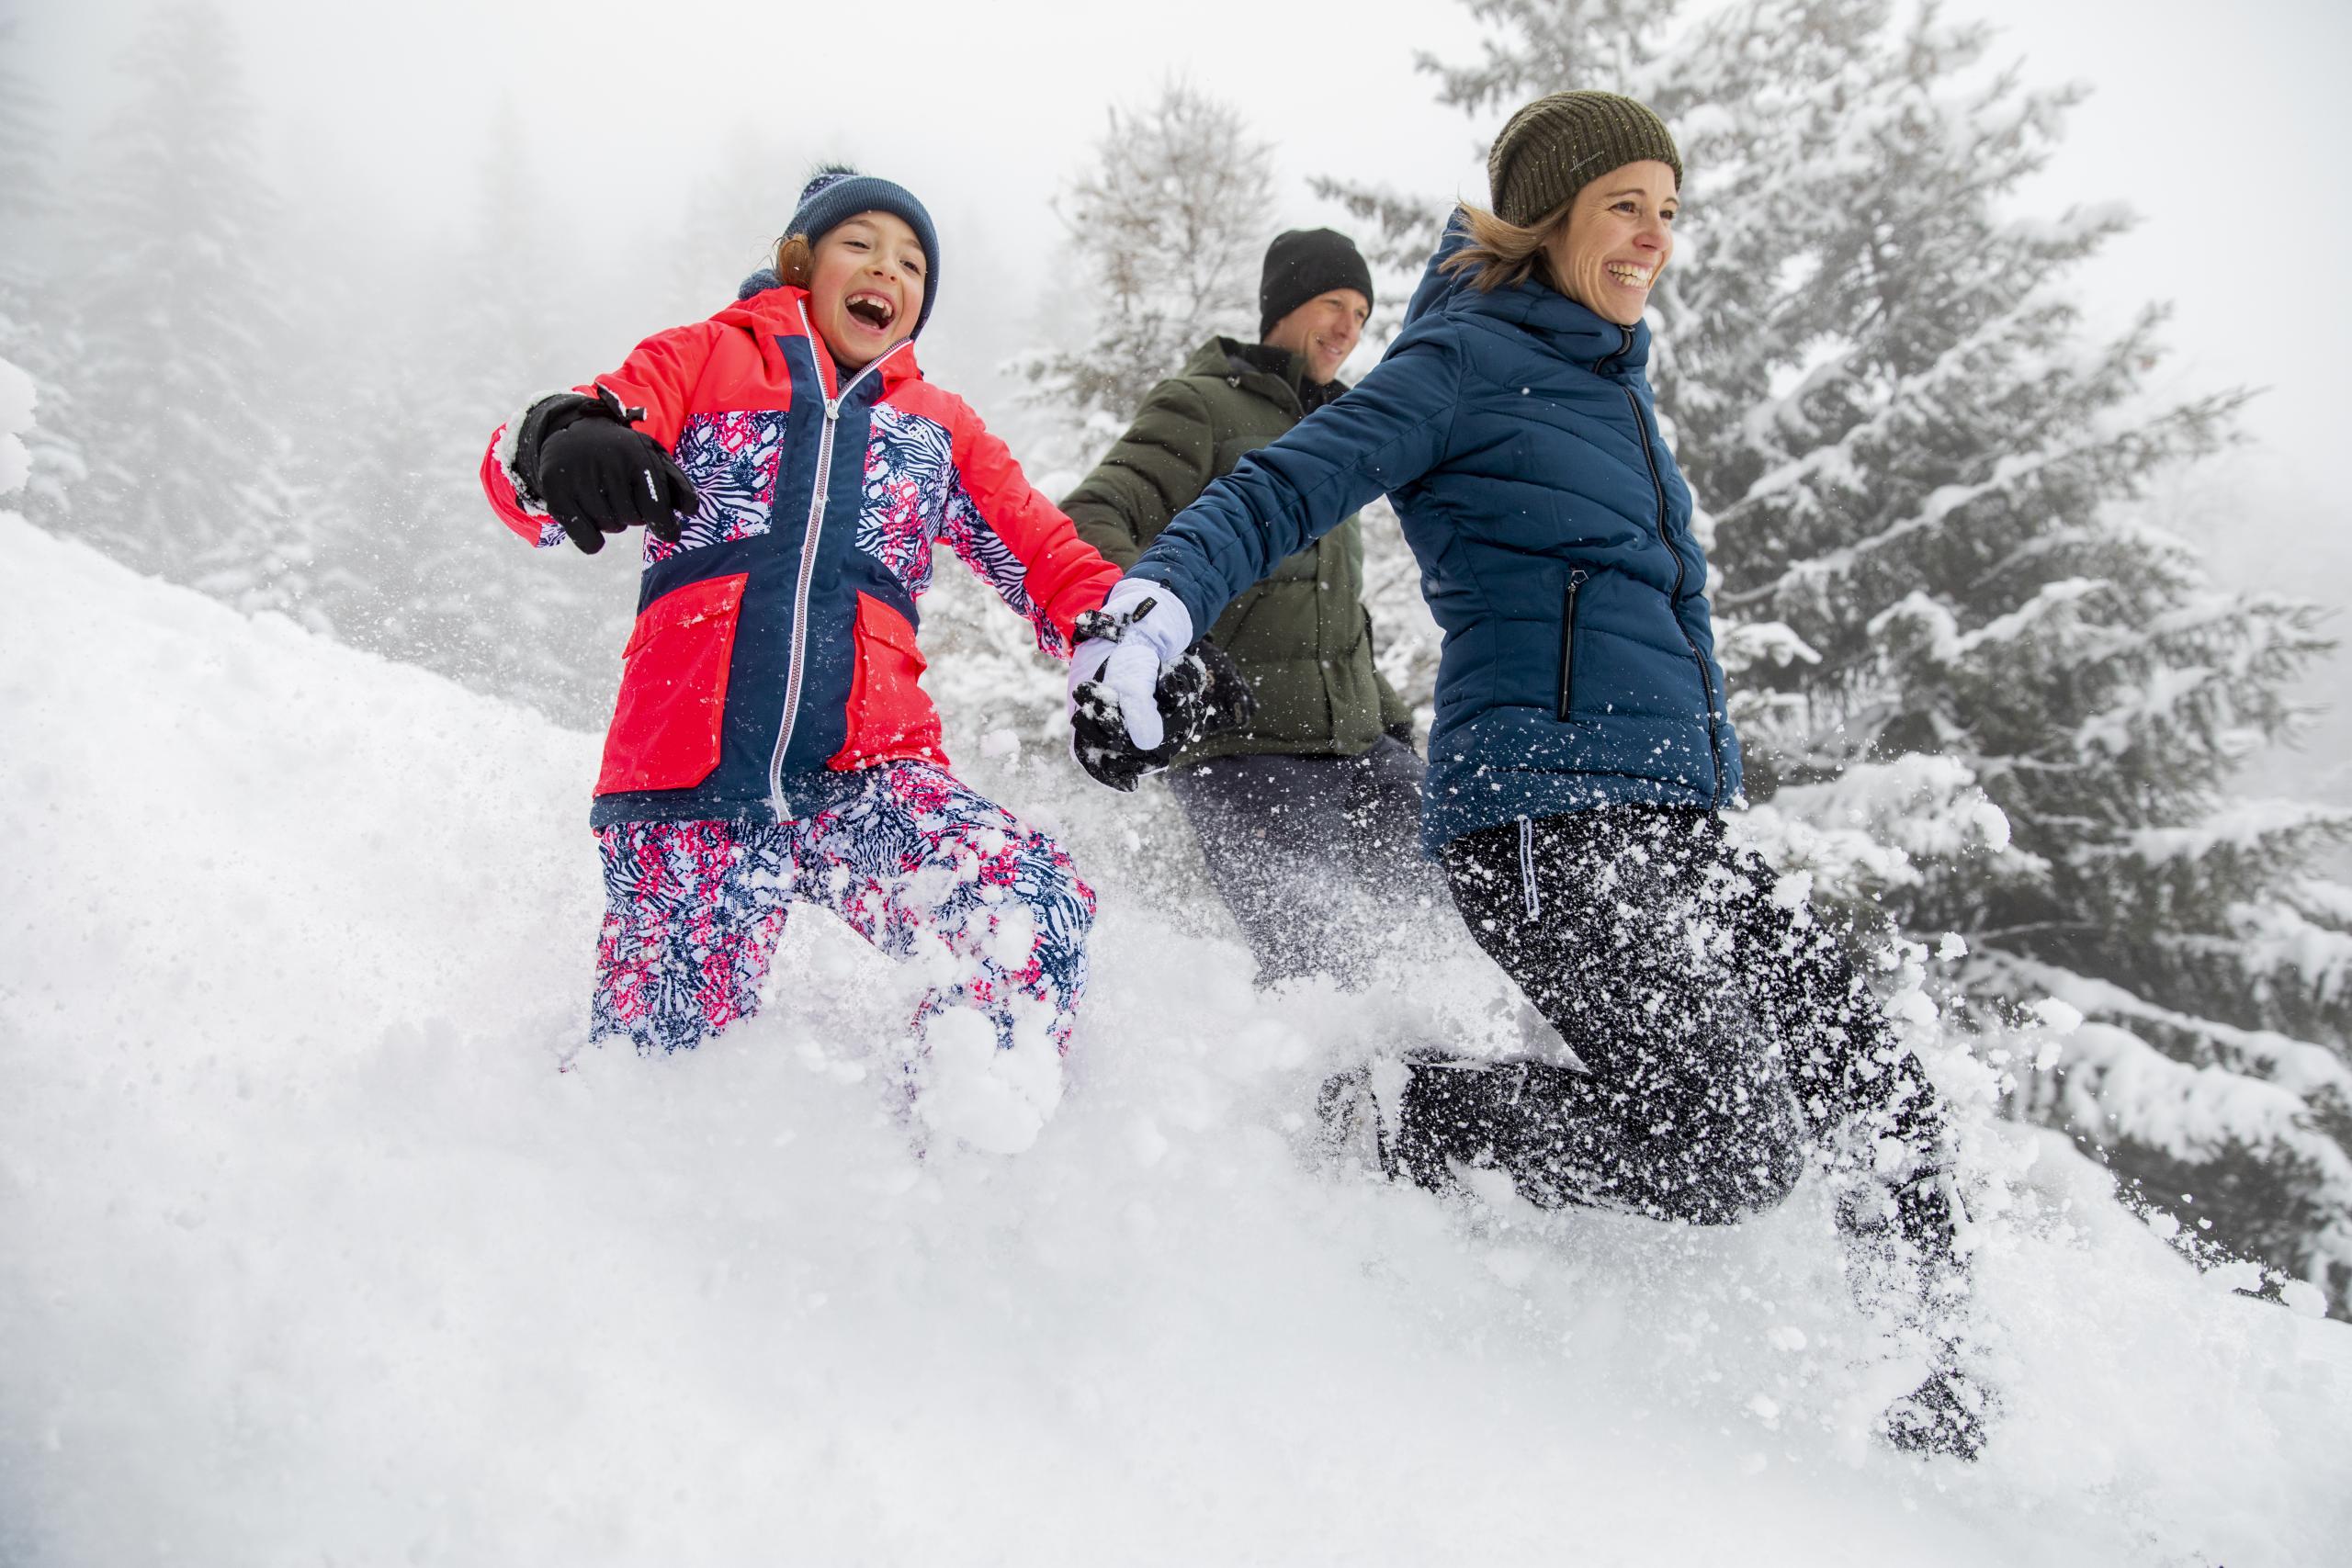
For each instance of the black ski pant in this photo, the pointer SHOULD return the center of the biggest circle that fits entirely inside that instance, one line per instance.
(1317, 857)
(1725, 1028)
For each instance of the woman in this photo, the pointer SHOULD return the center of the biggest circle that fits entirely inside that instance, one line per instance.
(1582, 750)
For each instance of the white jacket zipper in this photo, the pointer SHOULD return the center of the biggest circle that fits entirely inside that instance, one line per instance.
(809, 538)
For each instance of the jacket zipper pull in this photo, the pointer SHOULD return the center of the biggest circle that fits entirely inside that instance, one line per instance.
(1569, 642)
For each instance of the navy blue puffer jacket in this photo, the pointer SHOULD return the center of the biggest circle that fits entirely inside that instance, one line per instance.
(1514, 432)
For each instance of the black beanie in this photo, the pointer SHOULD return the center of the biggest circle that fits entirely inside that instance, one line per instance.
(1303, 264)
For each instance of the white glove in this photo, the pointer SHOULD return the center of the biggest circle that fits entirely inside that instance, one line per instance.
(1150, 631)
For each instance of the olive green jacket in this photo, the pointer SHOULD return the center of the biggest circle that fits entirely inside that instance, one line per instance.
(1302, 637)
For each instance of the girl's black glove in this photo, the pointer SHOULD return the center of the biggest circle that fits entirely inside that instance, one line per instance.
(1203, 694)
(598, 476)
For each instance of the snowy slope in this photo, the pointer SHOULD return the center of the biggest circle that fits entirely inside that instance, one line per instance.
(309, 1254)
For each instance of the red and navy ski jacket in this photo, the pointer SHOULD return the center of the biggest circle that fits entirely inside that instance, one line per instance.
(774, 647)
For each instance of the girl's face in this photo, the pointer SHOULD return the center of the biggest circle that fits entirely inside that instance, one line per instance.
(1618, 237)
(865, 284)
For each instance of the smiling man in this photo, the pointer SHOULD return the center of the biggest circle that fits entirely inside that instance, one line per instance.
(1307, 815)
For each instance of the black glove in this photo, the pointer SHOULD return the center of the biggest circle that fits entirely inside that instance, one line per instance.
(1401, 732)
(596, 475)
(1201, 694)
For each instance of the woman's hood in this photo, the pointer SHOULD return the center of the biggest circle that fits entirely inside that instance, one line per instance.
(1438, 286)
(1569, 328)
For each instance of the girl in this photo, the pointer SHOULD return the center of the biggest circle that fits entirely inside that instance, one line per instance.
(772, 742)
(1581, 752)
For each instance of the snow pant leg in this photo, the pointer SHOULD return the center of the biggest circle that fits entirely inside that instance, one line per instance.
(1384, 832)
(1862, 1091)
(1304, 850)
(692, 911)
(918, 863)
(1612, 922)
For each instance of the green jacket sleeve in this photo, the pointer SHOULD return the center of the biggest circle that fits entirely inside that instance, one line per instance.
(1153, 472)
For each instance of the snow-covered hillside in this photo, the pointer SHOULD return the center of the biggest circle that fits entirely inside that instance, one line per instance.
(308, 1253)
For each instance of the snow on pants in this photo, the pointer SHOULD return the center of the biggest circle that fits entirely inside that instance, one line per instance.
(913, 861)
(1315, 856)
(1725, 1027)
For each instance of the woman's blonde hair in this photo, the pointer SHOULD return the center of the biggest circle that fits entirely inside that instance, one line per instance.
(1500, 254)
(795, 260)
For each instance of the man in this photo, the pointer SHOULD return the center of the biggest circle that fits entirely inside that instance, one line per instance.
(1306, 815)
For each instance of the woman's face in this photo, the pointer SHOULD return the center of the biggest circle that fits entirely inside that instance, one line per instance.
(865, 284)
(1618, 237)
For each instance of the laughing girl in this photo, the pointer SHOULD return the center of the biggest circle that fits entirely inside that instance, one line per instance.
(771, 743)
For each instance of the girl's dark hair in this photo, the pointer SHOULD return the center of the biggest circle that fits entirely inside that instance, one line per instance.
(795, 260)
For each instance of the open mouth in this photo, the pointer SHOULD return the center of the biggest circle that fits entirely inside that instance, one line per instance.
(1631, 275)
(872, 310)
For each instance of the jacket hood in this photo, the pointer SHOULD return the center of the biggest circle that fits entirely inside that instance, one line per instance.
(1574, 331)
(764, 303)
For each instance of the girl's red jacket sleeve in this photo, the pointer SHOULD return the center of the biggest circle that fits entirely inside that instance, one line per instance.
(658, 376)
(1019, 543)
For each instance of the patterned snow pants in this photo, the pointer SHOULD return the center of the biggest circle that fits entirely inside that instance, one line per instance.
(915, 862)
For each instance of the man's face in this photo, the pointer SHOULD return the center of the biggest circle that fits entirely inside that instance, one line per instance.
(1325, 329)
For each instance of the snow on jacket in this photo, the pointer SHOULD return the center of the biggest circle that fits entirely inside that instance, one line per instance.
(775, 645)
(1515, 434)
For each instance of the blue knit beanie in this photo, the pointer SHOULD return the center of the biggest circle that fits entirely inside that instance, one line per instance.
(838, 195)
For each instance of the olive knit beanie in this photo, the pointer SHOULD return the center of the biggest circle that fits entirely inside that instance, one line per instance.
(1557, 145)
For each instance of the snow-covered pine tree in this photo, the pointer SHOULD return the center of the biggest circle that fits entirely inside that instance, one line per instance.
(34, 336)
(478, 334)
(1936, 577)
(178, 331)
(1168, 230)
(1167, 227)
(726, 227)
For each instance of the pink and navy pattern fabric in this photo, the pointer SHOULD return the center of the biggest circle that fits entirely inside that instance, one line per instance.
(733, 459)
(914, 498)
(976, 542)
(913, 861)
(910, 461)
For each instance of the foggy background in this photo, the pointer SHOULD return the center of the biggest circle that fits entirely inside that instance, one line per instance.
(277, 272)
(388, 128)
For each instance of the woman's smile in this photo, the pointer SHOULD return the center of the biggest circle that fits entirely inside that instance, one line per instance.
(1618, 238)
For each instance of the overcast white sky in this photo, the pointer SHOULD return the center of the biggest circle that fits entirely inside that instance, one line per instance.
(2223, 126)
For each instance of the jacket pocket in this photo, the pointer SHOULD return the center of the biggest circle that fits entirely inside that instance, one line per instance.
(673, 702)
(889, 714)
(1569, 645)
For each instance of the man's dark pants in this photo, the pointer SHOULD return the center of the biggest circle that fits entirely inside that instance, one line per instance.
(1317, 857)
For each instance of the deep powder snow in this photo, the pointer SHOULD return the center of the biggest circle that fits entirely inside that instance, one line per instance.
(308, 1253)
